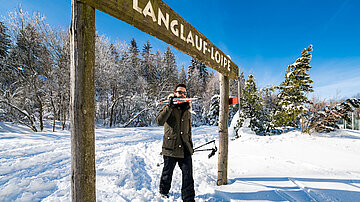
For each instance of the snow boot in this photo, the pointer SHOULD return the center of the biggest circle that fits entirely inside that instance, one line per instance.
(164, 196)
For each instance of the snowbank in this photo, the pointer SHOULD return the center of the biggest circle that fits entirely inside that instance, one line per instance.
(287, 167)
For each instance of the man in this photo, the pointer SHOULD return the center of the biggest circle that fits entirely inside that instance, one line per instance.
(177, 144)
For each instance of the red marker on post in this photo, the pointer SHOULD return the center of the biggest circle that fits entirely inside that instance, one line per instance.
(233, 100)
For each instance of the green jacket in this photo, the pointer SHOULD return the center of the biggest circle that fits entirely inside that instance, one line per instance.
(177, 131)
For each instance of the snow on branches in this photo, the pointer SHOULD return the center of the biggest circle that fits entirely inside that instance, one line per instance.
(326, 119)
(293, 91)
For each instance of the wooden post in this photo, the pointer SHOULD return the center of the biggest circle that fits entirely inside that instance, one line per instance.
(239, 93)
(223, 130)
(82, 106)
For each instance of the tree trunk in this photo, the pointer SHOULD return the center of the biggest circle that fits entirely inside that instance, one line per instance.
(64, 111)
(54, 109)
(82, 108)
(223, 130)
(112, 113)
(41, 119)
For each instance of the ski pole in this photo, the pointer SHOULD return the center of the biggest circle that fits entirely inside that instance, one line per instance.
(213, 150)
(212, 141)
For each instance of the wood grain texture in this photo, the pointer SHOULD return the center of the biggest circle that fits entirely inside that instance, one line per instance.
(82, 102)
(223, 130)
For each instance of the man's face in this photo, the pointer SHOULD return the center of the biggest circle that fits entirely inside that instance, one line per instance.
(180, 92)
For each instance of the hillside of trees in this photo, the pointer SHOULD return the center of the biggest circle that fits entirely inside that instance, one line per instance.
(131, 79)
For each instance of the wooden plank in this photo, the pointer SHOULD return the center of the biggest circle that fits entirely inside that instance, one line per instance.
(159, 20)
(82, 106)
(223, 130)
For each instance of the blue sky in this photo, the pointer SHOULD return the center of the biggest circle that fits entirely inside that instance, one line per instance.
(261, 36)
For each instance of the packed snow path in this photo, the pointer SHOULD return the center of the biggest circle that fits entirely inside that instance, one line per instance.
(288, 167)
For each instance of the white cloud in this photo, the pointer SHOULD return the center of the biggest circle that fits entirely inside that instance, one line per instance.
(339, 88)
(336, 78)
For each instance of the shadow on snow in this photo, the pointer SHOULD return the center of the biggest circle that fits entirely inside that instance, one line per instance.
(294, 192)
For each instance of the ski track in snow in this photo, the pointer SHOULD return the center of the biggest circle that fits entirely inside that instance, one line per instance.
(288, 167)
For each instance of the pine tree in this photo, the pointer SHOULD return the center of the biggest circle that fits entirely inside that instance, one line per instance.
(292, 98)
(196, 86)
(4, 40)
(195, 64)
(252, 102)
(269, 104)
(212, 86)
(252, 107)
(6, 75)
(133, 48)
(213, 114)
(147, 64)
(182, 76)
(161, 76)
(148, 70)
(4, 47)
(197, 77)
(146, 49)
(134, 58)
(130, 71)
(169, 63)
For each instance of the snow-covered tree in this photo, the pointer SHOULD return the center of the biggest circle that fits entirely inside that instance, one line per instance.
(269, 100)
(292, 98)
(161, 74)
(326, 119)
(252, 107)
(182, 76)
(197, 78)
(35, 84)
(213, 113)
(170, 66)
(58, 77)
(28, 64)
(147, 69)
(134, 54)
(5, 41)
(212, 86)
(252, 100)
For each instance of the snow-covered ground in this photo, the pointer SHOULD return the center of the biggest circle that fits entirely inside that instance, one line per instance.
(287, 167)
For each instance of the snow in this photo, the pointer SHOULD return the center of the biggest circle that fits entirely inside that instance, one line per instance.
(287, 167)
(231, 130)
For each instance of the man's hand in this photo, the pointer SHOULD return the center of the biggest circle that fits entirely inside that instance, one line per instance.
(171, 102)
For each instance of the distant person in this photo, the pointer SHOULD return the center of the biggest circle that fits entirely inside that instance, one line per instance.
(177, 144)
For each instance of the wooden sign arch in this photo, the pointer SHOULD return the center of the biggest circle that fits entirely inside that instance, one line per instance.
(159, 20)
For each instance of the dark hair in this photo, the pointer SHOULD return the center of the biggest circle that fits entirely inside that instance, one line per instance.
(179, 85)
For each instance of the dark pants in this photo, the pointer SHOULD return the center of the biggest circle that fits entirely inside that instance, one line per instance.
(185, 164)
